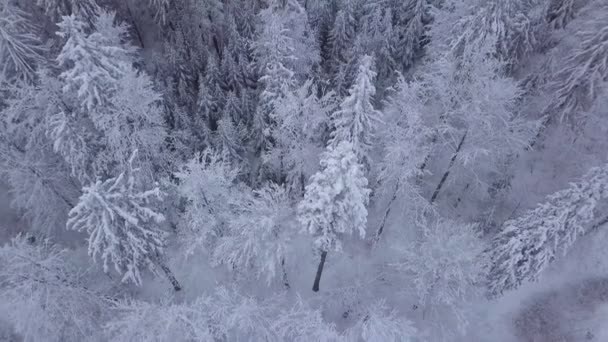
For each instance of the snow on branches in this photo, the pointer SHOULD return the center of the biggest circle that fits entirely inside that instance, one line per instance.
(119, 217)
(43, 296)
(335, 201)
(21, 51)
(357, 118)
(529, 243)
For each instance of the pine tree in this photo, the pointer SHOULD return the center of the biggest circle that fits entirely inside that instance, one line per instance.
(21, 51)
(335, 201)
(303, 122)
(514, 28)
(410, 25)
(357, 119)
(529, 243)
(95, 63)
(584, 71)
(41, 186)
(342, 37)
(123, 227)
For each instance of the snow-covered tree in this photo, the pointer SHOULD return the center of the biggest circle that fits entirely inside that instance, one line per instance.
(219, 214)
(410, 19)
(382, 324)
(21, 51)
(94, 62)
(341, 38)
(160, 8)
(57, 8)
(118, 215)
(375, 38)
(477, 114)
(446, 264)
(134, 121)
(584, 72)
(303, 122)
(41, 187)
(335, 200)
(274, 52)
(223, 314)
(115, 102)
(357, 119)
(529, 243)
(561, 12)
(44, 296)
(513, 27)
(407, 142)
(206, 183)
(261, 248)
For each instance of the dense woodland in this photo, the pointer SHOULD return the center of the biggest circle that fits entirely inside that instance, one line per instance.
(303, 170)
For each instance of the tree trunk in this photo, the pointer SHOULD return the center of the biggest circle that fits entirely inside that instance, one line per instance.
(386, 213)
(380, 229)
(285, 279)
(315, 287)
(170, 276)
(447, 172)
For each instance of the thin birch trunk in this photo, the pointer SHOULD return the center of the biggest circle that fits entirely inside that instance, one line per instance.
(447, 172)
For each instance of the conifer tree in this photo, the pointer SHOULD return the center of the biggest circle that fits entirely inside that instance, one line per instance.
(529, 243)
(335, 202)
(357, 119)
(123, 227)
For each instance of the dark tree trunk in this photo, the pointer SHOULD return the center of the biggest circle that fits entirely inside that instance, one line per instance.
(447, 172)
(285, 279)
(315, 287)
(170, 276)
(387, 212)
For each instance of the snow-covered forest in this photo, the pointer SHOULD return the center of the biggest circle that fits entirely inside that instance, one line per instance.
(304, 170)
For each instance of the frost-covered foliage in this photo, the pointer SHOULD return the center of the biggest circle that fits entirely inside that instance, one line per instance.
(381, 324)
(357, 118)
(406, 137)
(119, 217)
(223, 314)
(21, 51)
(335, 200)
(479, 102)
(237, 226)
(584, 72)
(95, 62)
(116, 103)
(446, 264)
(206, 182)
(405, 140)
(303, 120)
(257, 235)
(44, 296)
(529, 243)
